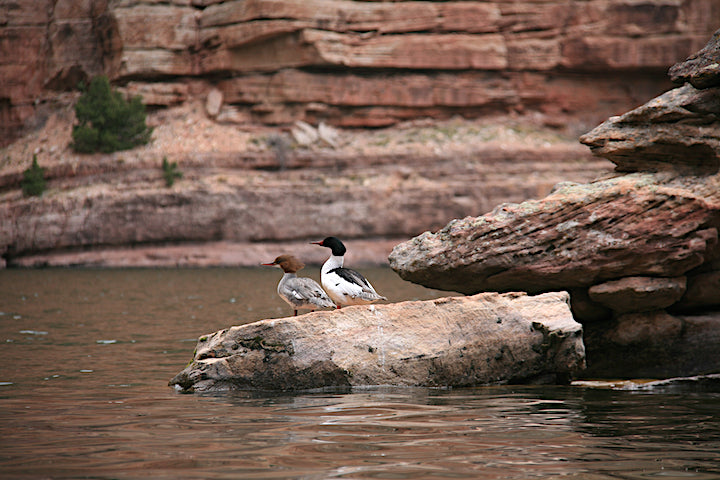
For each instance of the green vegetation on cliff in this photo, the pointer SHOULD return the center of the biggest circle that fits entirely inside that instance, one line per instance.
(170, 172)
(107, 122)
(33, 182)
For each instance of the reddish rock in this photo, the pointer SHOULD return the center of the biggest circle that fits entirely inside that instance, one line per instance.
(50, 46)
(702, 69)
(638, 294)
(679, 130)
(578, 236)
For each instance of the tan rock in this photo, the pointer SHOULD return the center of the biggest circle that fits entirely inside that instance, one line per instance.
(329, 14)
(153, 62)
(165, 94)
(213, 102)
(417, 51)
(149, 27)
(638, 294)
(329, 135)
(457, 341)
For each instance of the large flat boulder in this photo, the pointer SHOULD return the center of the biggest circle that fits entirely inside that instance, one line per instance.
(641, 224)
(456, 341)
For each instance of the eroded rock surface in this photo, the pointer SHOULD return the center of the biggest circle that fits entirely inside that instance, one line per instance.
(679, 131)
(456, 341)
(702, 69)
(641, 224)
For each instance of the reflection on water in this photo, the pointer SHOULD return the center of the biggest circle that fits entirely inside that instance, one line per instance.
(83, 393)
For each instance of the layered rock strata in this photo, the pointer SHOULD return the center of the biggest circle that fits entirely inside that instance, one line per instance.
(457, 341)
(639, 252)
(351, 63)
(242, 192)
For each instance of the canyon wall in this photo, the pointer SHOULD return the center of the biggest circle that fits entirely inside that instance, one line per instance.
(350, 63)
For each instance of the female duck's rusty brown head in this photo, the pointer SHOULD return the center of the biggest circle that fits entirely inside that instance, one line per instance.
(288, 263)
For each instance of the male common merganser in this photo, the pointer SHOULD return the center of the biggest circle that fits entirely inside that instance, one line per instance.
(344, 285)
(301, 293)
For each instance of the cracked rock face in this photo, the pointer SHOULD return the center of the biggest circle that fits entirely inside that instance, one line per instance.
(457, 341)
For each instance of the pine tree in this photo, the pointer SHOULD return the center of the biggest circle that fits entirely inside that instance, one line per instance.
(33, 182)
(170, 172)
(107, 122)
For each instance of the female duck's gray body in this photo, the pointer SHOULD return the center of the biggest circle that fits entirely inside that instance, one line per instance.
(344, 285)
(301, 293)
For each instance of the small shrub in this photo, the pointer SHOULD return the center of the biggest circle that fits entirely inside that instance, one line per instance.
(107, 122)
(33, 182)
(170, 172)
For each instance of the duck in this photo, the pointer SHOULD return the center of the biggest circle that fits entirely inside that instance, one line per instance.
(301, 293)
(344, 285)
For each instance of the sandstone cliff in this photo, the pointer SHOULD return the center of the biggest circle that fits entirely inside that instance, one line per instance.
(350, 63)
(508, 85)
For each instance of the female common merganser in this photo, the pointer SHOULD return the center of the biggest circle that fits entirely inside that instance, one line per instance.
(301, 293)
(344, 285)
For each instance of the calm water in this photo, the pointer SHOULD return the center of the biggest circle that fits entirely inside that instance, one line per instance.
(87, 354)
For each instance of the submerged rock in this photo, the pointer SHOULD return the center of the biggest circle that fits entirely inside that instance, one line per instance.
(455, 341)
